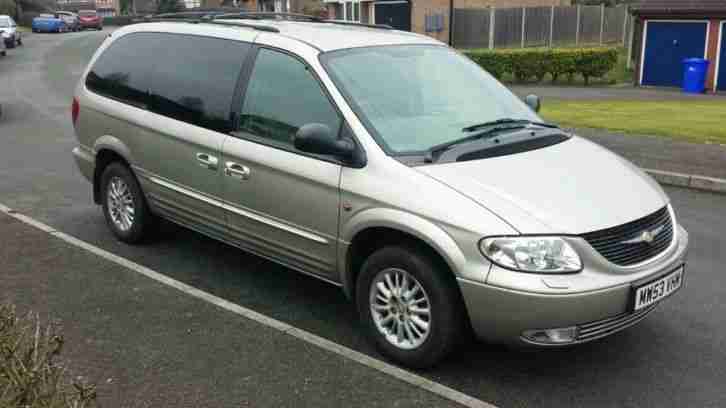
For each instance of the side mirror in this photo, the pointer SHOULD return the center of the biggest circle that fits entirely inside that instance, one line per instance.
(533, 102)
(317, 138)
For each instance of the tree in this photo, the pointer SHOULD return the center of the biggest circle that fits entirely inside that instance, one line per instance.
(8, 7)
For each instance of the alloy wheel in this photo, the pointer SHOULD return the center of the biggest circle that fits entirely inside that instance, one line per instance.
(120, 204)
(401, 308)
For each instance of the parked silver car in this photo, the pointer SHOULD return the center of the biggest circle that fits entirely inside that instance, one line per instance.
(383, 162)
(9, 32)
(71, 20)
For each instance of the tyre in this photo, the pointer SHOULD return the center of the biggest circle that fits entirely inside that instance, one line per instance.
(20, 41)
(10, 44)
(410, 305)
(124, 205)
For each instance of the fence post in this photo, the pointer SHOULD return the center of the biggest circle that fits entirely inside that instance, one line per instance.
(625, 25)
(492, 14)
(602, 23)
(524, 22)
(552, 25)
(577, 31)
(631, 32)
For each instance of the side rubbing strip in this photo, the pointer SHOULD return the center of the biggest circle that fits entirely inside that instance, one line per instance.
(239, 211)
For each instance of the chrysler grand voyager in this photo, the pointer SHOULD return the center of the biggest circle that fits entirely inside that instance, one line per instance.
(383, 162)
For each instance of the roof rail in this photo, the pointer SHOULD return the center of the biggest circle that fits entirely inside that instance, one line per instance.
(357, 24)
(268, 16)
(238, 24)
(219, 17)
(293, 17)
(195, 17)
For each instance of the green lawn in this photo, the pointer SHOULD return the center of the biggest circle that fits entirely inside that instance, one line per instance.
(701, 121)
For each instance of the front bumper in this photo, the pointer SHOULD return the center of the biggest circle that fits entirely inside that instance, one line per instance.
(501, 315)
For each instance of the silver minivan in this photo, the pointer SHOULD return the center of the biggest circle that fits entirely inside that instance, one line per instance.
(383, 162)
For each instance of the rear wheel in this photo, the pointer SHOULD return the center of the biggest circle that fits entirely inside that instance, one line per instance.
(409, 305)
(124, 205)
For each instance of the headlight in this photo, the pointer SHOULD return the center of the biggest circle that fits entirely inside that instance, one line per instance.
(532, 254)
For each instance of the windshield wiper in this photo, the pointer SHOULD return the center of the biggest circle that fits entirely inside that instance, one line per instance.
(489, 129)
(507, 121)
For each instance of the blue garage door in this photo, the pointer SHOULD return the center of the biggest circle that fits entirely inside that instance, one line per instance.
(667, 44)
(722, 64)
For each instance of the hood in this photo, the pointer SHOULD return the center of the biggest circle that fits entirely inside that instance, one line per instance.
(572, 187)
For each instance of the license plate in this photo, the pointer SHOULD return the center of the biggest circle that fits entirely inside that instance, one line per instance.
(659, 289)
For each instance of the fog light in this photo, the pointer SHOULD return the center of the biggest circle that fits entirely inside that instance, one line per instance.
(552, 336)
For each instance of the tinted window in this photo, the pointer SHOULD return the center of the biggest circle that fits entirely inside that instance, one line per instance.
(122, 71)
(282, 96)
(194, 79)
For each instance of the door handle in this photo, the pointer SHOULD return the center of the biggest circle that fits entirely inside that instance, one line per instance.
(236, 170)
(207, 161)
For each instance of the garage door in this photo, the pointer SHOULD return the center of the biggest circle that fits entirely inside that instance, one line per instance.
(721, 78)
(396, 14)
(667, 44)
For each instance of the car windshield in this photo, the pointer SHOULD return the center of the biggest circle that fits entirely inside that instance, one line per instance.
(414, 97)
(87, 14)
(4, 22)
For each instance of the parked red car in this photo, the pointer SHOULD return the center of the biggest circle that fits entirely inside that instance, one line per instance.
(90, 19)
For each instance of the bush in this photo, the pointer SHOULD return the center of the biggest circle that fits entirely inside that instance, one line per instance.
(30, 374)
(528, 63)
(8, 7)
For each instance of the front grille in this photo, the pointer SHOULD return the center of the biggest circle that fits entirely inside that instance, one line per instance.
(602, 328)
(612, 243)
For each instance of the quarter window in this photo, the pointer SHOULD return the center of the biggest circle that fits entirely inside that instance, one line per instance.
(122, 71)
(281, 97)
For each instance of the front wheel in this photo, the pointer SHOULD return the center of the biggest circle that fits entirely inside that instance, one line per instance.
(124, 205)
(409, 305)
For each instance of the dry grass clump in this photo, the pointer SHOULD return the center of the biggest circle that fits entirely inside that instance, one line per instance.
(31, 374)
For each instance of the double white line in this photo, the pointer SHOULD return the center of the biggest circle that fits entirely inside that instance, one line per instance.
(403, 375)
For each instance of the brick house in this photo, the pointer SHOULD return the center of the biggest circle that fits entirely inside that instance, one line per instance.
(669, 31)
(411, 15)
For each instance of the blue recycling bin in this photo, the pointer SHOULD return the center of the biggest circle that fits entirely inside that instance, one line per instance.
(694, 74)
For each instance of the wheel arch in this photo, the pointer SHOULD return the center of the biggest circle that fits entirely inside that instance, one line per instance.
(108, 149)
(373, 229)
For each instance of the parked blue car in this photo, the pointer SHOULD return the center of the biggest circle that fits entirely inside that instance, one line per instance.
(48, 23)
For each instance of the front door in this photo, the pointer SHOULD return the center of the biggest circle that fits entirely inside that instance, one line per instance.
(280, 202)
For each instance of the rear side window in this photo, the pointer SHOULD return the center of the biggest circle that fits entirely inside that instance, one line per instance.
(194, 79)
(122, 71)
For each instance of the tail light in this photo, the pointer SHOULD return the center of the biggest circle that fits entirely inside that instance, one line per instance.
(75, 108)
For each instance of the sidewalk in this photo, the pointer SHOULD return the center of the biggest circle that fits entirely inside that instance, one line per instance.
(146, 344)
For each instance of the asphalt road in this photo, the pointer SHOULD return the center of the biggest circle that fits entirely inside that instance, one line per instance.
(676, 357)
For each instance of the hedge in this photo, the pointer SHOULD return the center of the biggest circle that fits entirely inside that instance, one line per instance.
(528, 63)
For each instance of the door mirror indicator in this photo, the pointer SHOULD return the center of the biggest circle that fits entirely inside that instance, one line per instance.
(533, 102)
(317, 138)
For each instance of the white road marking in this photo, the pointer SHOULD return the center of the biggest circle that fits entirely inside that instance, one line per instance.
(330, 346)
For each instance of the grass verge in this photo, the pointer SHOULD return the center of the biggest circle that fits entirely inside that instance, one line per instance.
(698, 121)
(31, 375)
